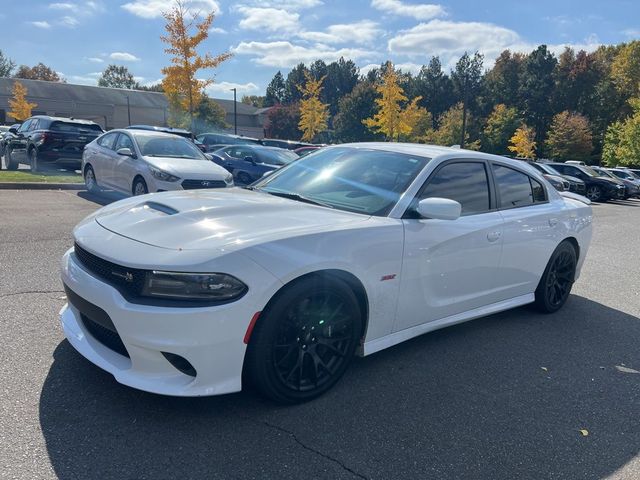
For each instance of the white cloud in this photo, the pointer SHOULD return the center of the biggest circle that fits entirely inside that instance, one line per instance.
(419, 12)
(631, 33)
(69, 21)
(224, 88)
(450, 40)
(155, 8)
(269, 19)
(284, 54)
(362, 32)
(81, 79)
(95, 60)
(75, 11)
(287, 4)
(124, 57)
(217, 30)
(41, 24)
(62, 6)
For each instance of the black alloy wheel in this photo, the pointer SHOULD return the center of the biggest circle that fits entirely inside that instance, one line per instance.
(304, 342)
(556, 282)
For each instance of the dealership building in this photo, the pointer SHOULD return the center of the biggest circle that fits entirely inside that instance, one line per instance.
(117, 107)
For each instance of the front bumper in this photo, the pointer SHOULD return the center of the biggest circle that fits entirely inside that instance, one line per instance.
(209, 338)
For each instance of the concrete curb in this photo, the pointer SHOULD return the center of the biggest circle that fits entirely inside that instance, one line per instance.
(41, 186)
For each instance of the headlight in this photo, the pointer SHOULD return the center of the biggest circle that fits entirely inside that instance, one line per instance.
(228, 179)
(193, 286)
(162, 175)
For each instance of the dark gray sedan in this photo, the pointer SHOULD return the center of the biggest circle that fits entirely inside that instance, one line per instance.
(248, 163)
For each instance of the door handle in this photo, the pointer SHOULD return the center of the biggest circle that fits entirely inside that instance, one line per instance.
(494, 236)
(553, 222)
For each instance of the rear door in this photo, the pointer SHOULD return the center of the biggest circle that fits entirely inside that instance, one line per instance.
(530, 229)
(18, 143)
(102, 158)
(124, 167)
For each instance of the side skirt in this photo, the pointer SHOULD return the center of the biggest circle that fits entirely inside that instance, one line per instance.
(395, 338)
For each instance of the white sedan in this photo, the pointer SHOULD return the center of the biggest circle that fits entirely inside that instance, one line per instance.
(349, 250)
(135, 162)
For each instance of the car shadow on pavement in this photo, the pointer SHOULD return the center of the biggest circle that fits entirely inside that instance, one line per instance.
(501, 397)
(104, 197)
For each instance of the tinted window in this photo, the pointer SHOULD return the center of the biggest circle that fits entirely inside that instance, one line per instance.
(539, 194)
(171, 146)
(465, 182)
(35, 124)
(514, 187)
(107, 140)
(25, 126)
(277, 157)
(124, 142)
(75, 127)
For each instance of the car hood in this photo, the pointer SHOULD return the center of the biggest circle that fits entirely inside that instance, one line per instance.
(185, 168)
(226, 219)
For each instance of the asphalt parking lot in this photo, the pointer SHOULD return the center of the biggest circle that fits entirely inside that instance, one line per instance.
(503, 397)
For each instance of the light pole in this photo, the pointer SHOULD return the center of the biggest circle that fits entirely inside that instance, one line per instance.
(235, 113)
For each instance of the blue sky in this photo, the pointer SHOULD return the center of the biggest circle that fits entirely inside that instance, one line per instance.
(79, 38)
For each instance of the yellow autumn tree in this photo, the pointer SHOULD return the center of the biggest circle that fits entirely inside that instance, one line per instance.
(184, 35)
(392, 119)
(523, 142)
(313, 113)
(20, 107)
(417, 121)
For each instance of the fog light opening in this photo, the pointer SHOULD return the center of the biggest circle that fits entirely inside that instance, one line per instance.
(180, 363)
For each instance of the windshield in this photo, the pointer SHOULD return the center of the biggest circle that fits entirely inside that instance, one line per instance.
(168, 146)
(604, 173)
(278, 157)
(353, 179)
(590, 171)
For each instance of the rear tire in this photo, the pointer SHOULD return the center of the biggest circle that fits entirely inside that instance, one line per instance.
(90, 180)
(594, 193)
(33, 160)
(9, 162)
(556, 282)
(139, 187)
(305, 340)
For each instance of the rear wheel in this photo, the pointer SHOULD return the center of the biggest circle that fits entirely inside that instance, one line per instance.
(33, 160)
(305, 340)
(9, 161)
(556, 282)
(90, 179)
(139, 187)
(594, 193)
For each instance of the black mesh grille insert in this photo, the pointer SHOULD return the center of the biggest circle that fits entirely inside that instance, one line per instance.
(128, 280)
(194, 184)
(109, 338)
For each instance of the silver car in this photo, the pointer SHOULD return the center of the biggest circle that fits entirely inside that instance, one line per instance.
(136, 162)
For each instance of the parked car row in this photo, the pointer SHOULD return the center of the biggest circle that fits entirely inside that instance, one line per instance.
(214, 141)
(249, 163)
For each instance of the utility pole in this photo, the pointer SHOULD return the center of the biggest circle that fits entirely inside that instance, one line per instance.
(128, 109)
(235, 112)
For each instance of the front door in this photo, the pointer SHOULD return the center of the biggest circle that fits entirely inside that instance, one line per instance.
(124, 167)
(451, 266)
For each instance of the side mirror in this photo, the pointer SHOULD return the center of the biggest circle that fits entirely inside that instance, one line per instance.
(250, 160)
(13, 130)
(126, 152)
(439, 208)
(209, 156)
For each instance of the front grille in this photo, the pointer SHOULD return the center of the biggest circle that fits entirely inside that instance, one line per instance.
(97, 322)
(195, 184)
(127, 280)
(109, 338)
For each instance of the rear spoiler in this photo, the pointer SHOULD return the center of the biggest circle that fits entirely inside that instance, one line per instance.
(575, 196)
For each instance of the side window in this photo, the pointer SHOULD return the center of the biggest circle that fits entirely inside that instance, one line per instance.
(35, 124)
(515, 187)
(25, 126)
(108, 140)
(539, 193)
(124, 141)
(464, 182)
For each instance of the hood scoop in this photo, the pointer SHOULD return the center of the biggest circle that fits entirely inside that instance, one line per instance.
(160, 208)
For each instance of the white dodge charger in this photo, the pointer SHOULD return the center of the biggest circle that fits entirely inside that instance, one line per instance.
(347, 251)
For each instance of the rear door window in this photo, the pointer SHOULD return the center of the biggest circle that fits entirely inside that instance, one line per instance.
(108, 140)
(70, 127)
(517, 189)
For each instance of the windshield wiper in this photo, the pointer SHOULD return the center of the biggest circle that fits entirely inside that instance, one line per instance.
(297, 197)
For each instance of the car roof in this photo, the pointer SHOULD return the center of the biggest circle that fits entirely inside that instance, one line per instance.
(157, 129)
(63, 119)
(146, 133)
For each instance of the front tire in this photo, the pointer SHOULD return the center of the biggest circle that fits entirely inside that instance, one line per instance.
(556, 282)
(139, 187)
(594, 193)
(9, 161)
(305, 340)
(244, 178)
